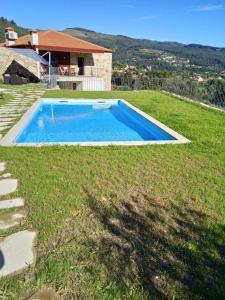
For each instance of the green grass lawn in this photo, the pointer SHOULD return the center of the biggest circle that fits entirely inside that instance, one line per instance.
(142, 222)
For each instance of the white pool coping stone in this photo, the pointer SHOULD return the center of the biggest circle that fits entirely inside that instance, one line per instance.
(8, 139)
(17, 252)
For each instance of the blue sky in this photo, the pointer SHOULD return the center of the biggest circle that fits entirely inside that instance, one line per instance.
(187, 21)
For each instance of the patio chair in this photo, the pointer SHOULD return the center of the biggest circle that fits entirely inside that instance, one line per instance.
(66, 70)
(72, 71)
(61, 71)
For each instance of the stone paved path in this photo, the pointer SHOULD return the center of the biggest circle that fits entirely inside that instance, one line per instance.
(21, 100)
(17, 249)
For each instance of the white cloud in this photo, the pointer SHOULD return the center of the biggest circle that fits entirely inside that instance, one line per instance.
(209, 7)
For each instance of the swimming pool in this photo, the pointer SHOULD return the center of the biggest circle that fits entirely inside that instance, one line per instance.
(88, 122)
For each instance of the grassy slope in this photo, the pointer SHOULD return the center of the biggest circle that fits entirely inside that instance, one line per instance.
(128, 222)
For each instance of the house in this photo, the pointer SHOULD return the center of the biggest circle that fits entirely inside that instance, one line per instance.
(73, 63)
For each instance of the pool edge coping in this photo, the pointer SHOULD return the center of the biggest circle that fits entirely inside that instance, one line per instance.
(11, 135)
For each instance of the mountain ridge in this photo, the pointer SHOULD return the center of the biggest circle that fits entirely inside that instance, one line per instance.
(142, 53)
(144, 39)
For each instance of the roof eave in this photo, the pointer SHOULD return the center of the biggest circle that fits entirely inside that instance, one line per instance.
(70, 49)
(67, 49)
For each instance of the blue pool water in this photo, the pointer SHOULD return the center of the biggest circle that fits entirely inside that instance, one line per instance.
(88, 121)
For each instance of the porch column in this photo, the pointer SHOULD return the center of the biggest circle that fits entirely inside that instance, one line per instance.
(49, 67)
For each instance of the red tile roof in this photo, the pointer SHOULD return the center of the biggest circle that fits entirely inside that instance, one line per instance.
(59, 41)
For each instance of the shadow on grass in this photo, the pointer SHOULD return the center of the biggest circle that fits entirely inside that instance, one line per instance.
(169, 252)
(2, 260)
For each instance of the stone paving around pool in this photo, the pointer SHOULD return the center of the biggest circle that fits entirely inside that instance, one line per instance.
(17, 249)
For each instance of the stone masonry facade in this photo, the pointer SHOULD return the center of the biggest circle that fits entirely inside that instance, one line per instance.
(7, 56)
(96, 64)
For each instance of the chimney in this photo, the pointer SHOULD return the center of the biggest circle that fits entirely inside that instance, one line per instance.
(10, 36)
(34, 37)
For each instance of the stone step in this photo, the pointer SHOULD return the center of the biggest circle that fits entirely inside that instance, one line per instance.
(11, 219)
(8, 186)
(17, 252)
(6, 175)
(6, 123)
(2, 166)
(16, 105)
(10, 110)
(11, 203)
(11, 114)
(20, 103)
(2, 113)
(3, 128)
(46, 294)
(7, 119)
(7, 109)
(2, 123)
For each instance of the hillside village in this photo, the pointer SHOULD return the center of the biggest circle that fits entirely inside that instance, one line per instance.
(125, 67)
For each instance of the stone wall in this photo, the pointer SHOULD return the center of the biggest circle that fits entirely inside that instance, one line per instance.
(7, 56)
(96, 64)
(103, 61)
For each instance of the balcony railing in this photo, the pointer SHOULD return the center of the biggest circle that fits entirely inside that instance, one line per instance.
(52, 75)
(72, 71)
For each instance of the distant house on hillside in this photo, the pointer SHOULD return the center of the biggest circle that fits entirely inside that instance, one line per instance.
(73, 63)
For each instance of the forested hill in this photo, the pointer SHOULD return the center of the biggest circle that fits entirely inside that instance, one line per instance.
(6, 23)
(147, 52)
